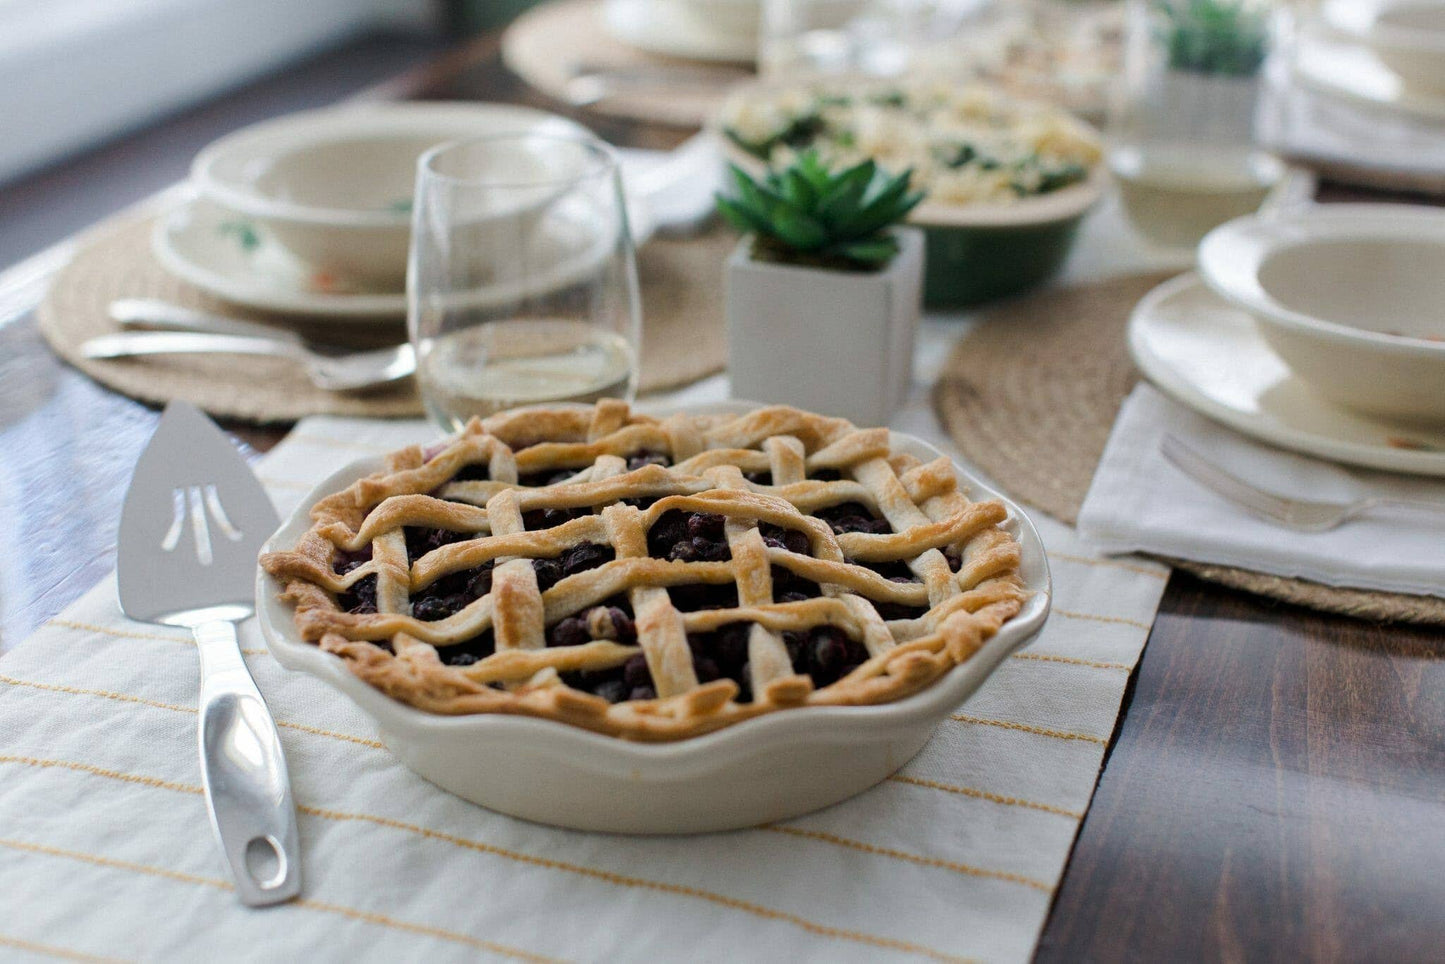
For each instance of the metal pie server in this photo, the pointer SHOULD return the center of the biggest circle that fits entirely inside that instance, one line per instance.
(193, 523)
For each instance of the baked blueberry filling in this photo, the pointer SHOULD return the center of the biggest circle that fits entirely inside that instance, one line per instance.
(723, 654)
(452, 593)
(792, 540)
(469, 651)
(549, 518)
(759, 478)
(826, 475)
(954, 555)
(689, 536)
(420, 541)
(853, 517)
(688, 599)
(610, 619)
(475, 472)
(825, 653)
(789, 587)
(361, 597)
(630, 681)
(549, 477)
(580, 558)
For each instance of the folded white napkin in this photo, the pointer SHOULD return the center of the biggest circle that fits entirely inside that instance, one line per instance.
(105, 848)
(1140, 502)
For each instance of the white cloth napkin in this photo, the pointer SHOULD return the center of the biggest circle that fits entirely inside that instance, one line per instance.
(1139, 501)
(105, 847)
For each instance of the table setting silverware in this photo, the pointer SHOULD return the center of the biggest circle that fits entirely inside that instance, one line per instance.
(1304, 515)
(193, 521)
(351, 372)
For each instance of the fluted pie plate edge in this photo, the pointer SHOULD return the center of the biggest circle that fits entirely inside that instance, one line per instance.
(773, 767)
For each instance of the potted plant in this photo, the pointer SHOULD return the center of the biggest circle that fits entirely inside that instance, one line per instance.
(823, 290)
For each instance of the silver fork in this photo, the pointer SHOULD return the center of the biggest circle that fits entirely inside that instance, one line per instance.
(1302, 514)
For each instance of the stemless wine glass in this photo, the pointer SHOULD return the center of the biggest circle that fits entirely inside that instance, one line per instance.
(521, 287)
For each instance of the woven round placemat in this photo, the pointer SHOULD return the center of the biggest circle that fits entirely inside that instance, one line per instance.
(1037, 420)
(684, 332)
(551, 44)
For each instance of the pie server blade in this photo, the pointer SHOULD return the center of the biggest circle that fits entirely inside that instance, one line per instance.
(193, 522)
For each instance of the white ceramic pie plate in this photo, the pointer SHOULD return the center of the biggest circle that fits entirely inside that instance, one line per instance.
(770, 768)
(1208, 354)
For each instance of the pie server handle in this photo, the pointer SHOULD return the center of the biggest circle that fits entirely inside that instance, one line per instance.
(248, 792)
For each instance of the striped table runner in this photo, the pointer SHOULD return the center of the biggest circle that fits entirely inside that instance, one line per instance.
(105, 850)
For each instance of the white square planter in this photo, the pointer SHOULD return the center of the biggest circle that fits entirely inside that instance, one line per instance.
(833, 342)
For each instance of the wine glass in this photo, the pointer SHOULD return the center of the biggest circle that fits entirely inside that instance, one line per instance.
(521, 285)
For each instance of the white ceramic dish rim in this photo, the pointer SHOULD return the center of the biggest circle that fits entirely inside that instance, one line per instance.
(1233, 254)
(336, 124)
(657, 761)
(634, 22)
(1039, 209)
(1368, 29)
(366, 307)
(1171, 382)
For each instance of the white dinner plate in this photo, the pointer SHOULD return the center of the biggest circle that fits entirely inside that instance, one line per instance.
(1351, 71)
(677, 28)
(230, 256)
(1208, 355)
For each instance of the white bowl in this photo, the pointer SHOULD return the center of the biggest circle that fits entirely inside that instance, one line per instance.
(1408, 36)
(770, 768)
(1350, 296)
(334, 186)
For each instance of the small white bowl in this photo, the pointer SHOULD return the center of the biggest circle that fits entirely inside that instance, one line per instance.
(334, 186)
(1350, 296)
(1408, 36)
(770, 768)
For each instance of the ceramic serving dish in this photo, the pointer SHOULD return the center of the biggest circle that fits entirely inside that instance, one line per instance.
(974, 252)
(334, 186)
(1408, 36)
(1351, 297)
(770, 768)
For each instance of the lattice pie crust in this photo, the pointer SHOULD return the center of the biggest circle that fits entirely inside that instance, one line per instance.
(652, 579)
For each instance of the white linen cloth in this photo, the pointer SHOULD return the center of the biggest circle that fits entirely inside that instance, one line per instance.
(105, 847)
(1139, 501)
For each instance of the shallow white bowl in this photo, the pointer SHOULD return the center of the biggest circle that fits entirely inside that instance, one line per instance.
(1408, 36)
(334, 186)
(1351, 297)
(770, 768)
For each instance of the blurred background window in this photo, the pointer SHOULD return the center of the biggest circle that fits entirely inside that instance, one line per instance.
(74, 72)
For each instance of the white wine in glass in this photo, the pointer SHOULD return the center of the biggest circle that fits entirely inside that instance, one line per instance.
(522, 288)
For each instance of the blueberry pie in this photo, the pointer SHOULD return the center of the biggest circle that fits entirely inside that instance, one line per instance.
(652, 579)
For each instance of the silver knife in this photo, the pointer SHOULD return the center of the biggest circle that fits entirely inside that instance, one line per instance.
(193, 523)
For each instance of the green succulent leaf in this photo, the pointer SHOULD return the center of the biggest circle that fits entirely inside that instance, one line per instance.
(809, 214)
(798, 191)
(743, 218)
(870, 252)
(799, 230)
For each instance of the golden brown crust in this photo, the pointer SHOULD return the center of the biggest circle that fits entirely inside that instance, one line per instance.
(400, 654)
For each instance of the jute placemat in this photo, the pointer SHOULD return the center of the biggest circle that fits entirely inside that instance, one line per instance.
(684, 332)
(551, 44)
(1037, 420)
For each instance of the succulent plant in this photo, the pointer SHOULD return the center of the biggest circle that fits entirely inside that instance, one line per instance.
(1225, 37)
(810, 215)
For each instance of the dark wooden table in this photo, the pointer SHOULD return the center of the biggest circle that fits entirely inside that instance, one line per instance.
(1275, 788)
